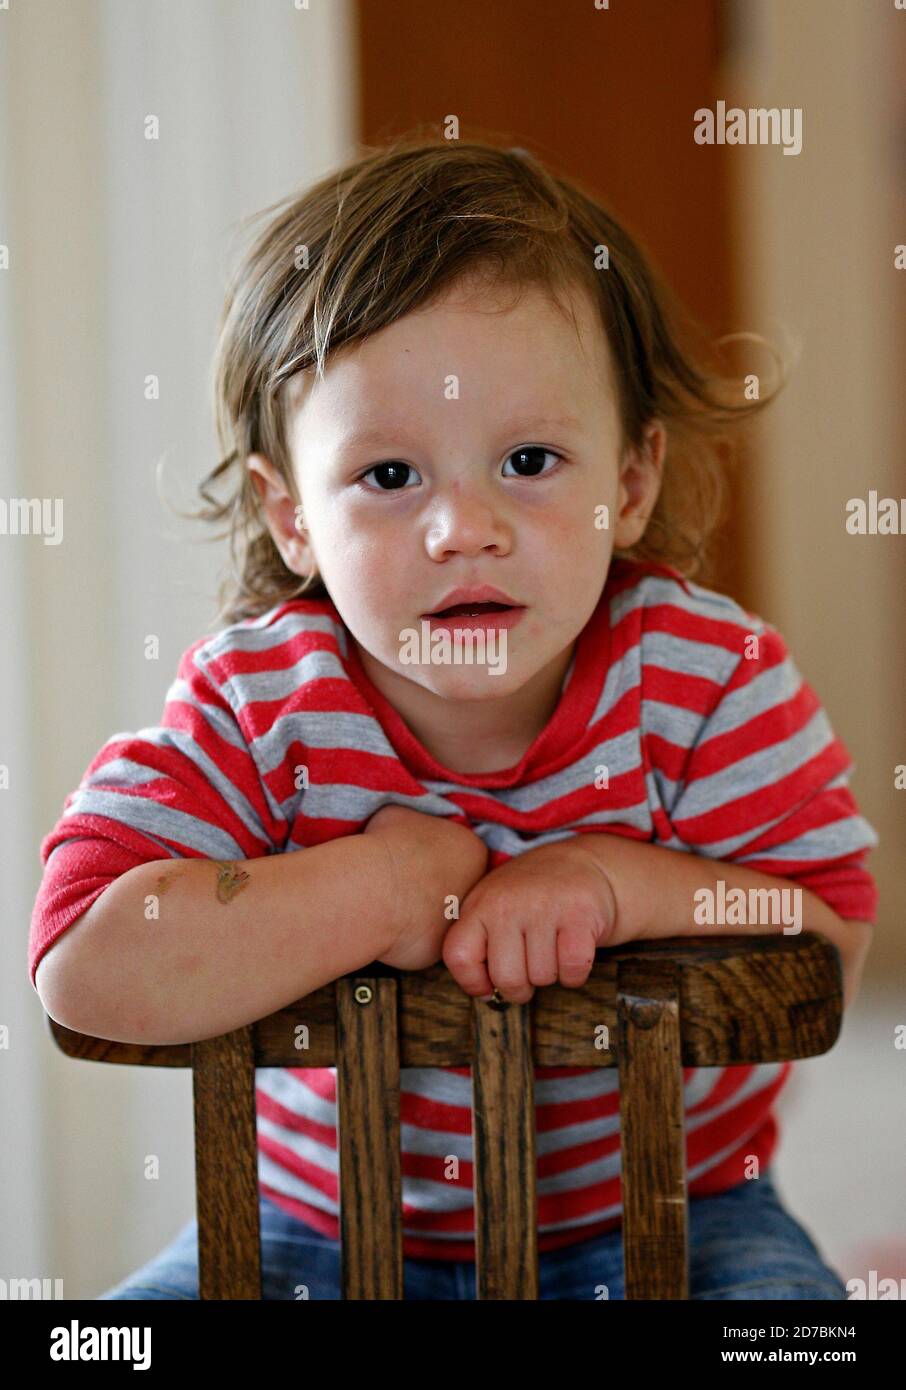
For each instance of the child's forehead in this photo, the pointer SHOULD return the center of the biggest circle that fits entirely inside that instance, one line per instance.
(570, 308)
(571, 302)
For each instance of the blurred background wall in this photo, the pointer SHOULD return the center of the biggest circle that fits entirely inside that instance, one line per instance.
(119, 249)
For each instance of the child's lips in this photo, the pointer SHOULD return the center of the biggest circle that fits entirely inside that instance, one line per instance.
(479, 618)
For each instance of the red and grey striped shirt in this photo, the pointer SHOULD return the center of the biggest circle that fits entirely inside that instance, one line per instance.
(713, 744)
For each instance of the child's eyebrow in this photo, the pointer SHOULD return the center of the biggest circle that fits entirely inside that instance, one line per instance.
(373, 437)
(557, 422)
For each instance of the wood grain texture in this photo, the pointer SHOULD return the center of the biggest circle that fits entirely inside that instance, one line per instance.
(503, 1139)
(744, 999)
(368, 1138)
(652, 1132)
(226, 1167)
(714, 1001)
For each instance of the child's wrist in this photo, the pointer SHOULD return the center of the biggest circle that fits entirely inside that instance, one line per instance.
(390, 890)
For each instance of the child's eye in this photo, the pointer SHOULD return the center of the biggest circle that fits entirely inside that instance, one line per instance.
(527, 455)
(393, 473)
(396, 475)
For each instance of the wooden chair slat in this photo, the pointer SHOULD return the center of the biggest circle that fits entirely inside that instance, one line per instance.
(503, 1138)
(226, 1167)
(744, 1000)
(85, 1048)
(652, 1132)
(368, 1126)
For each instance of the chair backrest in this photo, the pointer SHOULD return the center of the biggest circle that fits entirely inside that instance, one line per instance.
(651, 1008)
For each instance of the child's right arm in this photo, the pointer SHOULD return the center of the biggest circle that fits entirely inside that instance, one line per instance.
(204, 966)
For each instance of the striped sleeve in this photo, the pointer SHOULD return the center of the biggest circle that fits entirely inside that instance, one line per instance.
(766, 784)
(187, 788)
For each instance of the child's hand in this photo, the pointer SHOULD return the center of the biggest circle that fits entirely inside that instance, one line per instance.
(433, 859)
(535, 920)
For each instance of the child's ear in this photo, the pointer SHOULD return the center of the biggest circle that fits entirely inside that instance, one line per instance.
(283, 515)
(641, 473)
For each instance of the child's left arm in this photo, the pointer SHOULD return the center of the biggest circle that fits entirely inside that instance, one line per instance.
(761, 786)
(540, 917)
(656, 889)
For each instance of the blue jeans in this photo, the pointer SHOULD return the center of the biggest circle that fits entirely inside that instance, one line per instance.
(743, 1244)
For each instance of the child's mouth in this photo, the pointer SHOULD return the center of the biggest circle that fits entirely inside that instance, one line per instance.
(470, 610)
(494, 615)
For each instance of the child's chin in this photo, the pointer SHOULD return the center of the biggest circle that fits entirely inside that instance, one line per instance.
(468, 682)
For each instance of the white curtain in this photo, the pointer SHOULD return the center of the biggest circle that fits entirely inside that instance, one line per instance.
(119, 248)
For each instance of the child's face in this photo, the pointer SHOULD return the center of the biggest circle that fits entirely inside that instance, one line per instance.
(452, 395)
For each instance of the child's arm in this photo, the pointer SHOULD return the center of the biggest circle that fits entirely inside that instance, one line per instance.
(540, 917)
(236, 942)
(654, 888)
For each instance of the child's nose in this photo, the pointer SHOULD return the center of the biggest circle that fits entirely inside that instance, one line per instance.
(468, 521)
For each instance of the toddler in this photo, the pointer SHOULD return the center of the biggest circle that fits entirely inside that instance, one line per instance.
(460, 414)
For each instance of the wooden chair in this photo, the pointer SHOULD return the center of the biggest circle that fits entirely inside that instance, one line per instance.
(650, 1008)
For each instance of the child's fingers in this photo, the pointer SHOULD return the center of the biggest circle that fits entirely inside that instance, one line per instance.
(465, 952)
(541, 956)
(575, 954)
(507, 964)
